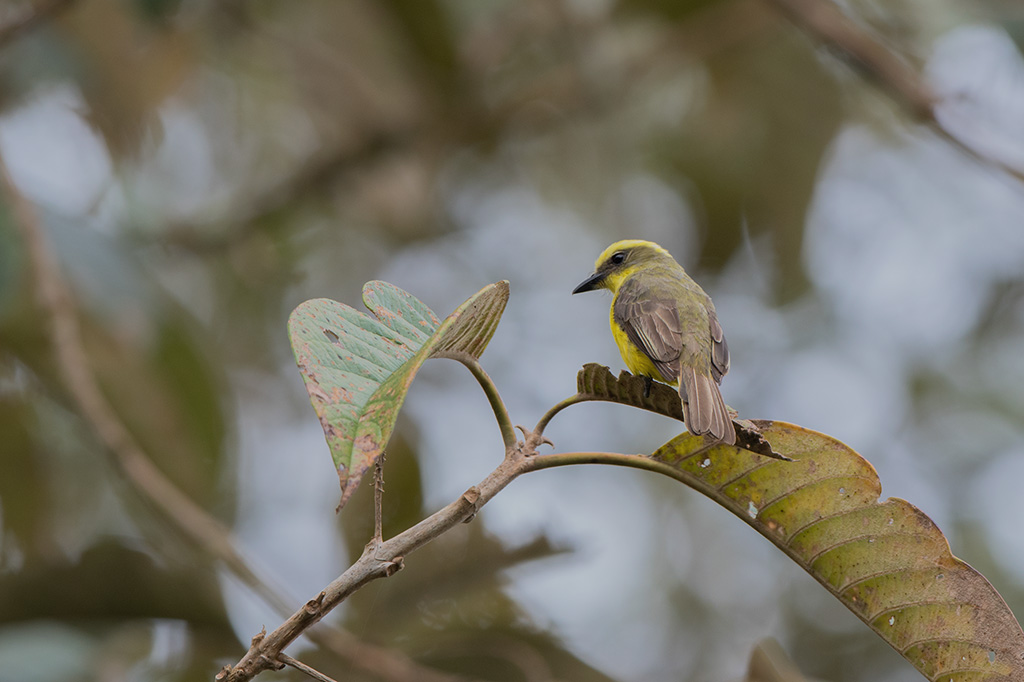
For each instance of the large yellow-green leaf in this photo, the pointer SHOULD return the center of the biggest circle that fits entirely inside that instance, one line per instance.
(357, 369)
(886, 560)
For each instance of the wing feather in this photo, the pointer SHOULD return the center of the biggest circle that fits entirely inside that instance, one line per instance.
(652, 324)
(719, 348)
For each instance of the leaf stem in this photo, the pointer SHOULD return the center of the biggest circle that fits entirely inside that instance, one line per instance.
(555, 409)
(508, 432)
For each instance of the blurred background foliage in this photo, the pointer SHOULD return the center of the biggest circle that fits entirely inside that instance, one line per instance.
(202, 167)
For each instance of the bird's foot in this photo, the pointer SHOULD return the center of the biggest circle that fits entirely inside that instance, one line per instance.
(647, 386)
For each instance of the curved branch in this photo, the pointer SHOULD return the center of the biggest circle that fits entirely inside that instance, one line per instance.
(508, 432)
(555, 409)
(824, 21)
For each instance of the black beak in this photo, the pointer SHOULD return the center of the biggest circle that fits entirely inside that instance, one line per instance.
(590, 283)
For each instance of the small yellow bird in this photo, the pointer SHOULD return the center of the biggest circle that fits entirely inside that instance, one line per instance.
(666, 329)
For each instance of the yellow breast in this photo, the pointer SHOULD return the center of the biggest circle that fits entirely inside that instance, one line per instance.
(636, 361)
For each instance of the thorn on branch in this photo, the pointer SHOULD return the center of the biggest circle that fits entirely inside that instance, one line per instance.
(257, 639)
(531, 441)
(394, 566)
(312, 607)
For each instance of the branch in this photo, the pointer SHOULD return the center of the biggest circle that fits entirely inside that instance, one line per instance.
(128, 458)
(35, 15)
(299, 665)
(385, 559)
(828, 24)
(381, 561)
(388, 558)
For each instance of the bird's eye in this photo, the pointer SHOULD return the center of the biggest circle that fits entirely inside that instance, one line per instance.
(617, 257)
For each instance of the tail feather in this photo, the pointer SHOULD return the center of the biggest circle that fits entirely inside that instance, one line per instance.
(703, 408)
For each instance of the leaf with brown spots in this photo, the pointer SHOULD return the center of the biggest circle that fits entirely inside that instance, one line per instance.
(885, 560)
(357, 369)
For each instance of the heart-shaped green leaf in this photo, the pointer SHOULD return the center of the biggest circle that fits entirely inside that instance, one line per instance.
(357, 369)
(885, 560)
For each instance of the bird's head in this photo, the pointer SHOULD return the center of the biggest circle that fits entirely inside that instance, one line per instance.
(619, 261)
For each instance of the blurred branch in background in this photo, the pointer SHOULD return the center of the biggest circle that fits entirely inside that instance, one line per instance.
(879, 64)
(199, 168)
(128, 458)
(305, 669)
(31, 16)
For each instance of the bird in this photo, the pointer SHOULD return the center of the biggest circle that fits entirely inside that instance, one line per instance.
(667, 330)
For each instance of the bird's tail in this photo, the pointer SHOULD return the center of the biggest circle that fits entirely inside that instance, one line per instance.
(703, 408)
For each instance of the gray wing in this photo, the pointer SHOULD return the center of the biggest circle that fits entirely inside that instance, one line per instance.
(719, 348)
(653, 325)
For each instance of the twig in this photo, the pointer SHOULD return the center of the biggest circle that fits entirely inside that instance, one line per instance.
(827, 23)
(378, 500)
(32, 17)
(299, 665)
(127, 457)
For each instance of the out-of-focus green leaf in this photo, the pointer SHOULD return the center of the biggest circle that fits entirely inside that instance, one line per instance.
(157, 11)
(25, 496)
(357, 369)
(126, 67)
(885, 560)
(428, 35)
(111, 581)
(167, 395)
(753, 146)
(453, 614)
(11, 261)
(143, 349)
